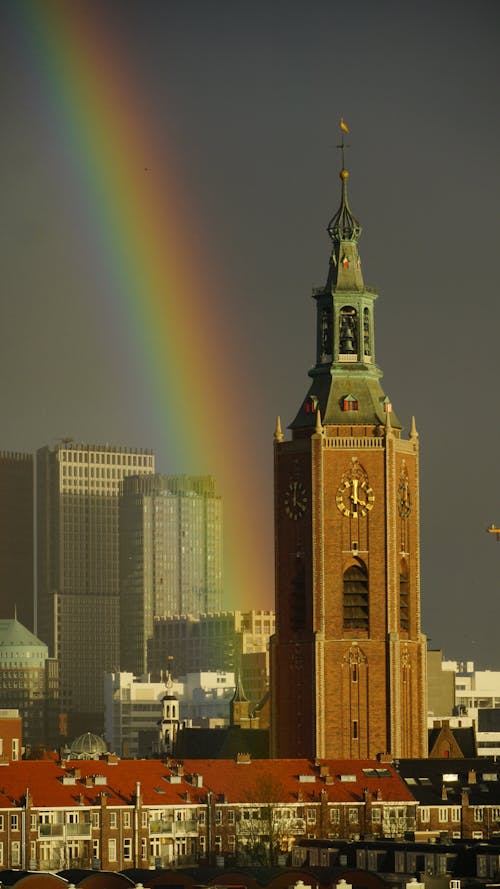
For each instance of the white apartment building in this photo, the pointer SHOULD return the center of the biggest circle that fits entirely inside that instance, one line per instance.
(477, 699)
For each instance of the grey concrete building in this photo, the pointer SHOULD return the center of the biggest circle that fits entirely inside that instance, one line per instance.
(78, 489)
(171, 554)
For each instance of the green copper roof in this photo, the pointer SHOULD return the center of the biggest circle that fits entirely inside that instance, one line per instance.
(14, 633)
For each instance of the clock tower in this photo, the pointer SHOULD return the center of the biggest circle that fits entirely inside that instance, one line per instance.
(348, 657)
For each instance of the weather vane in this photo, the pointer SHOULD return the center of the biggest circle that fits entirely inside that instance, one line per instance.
(343, 129)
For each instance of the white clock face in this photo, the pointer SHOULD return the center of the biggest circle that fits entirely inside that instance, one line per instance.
(355, 498)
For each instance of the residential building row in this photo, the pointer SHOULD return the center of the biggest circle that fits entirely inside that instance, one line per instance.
(111, 814)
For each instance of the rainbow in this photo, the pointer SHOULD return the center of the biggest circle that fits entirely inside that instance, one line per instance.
(168, 315)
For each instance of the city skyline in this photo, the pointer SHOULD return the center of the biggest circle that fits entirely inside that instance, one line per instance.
(252, 167)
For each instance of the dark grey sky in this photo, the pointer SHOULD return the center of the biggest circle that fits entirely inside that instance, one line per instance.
(249, 94)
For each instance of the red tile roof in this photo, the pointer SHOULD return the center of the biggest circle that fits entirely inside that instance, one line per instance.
(274, 780)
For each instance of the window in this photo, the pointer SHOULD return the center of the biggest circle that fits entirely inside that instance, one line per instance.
(355, 729)
(311, 816)
(478, 813)
(127, 849)
(112, 823)
(356, 597)
(112, 850)
(15, 853)
(443, 814)
(1, 854)
(349, 403)
(231, 843)
(376, 816)
(126, 819)
(335, 816)
(202, 841)
(425, 815)
(144, 819)
(230, 816)
(14, 822)
(33, 822)
(404, 620)
(95, 819)
(353, 816)
(95, 849)
(455, 813)
(218, 844)
(144, 848)
(201, 817)
(218, 816)
(1, 822)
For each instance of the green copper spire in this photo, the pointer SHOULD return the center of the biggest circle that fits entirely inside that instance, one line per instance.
(346, 380)
(344, 226)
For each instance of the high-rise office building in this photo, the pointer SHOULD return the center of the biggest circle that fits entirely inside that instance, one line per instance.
(230, 640)
(170, 556)
(348, 661)
(78, 566)
(16, 537)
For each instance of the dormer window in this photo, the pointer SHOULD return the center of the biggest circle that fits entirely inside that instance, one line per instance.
(311, 405)
(350, 403)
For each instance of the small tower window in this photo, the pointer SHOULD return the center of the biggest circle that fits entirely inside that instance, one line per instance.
(404, 620)
(310, 405)
(349, 403)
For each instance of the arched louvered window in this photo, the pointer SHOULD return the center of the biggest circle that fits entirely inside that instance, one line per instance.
(356, 612)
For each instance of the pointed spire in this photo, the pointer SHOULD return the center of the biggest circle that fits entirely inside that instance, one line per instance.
(413, 430)
(278, 434)
(319, 428)
(344, 226)
(388, 423)
(239, 692)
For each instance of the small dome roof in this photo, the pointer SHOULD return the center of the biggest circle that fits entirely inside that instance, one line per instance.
(88, 745)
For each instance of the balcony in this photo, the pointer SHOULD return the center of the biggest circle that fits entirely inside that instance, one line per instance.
(173, 828)
(66, 831)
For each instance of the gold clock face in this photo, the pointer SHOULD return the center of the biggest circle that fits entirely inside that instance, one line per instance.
(355, 498)
(404, 499)
(295, 500)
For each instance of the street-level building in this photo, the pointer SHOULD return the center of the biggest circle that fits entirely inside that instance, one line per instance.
(78, 487)
(348, 660)
(116, 814)
(457, 798)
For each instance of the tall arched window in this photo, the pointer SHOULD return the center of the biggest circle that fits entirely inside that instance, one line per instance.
(404, 615)
(356, 612)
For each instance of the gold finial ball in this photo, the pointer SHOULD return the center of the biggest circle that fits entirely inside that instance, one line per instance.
(344, 174)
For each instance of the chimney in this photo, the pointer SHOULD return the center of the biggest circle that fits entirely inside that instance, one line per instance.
(472, 777)
(444, 792)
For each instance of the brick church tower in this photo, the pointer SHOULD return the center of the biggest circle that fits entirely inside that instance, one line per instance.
(348, 657)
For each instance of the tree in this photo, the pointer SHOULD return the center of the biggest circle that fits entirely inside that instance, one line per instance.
(265, 822)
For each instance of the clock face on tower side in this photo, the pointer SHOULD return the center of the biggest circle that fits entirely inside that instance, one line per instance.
(295, 500)
(355, 497)
(404, 499)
